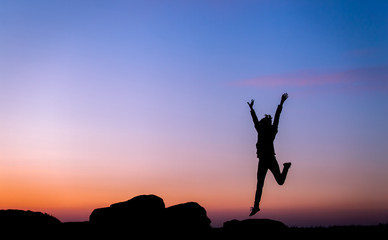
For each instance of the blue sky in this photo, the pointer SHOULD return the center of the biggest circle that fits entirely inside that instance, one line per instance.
(139, 96)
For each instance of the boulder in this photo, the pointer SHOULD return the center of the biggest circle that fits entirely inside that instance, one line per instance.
(17, 218)
(140, 211)
(255, 227)
(187, 217)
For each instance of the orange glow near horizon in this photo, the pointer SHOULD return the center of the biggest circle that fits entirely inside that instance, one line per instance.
(71, 196)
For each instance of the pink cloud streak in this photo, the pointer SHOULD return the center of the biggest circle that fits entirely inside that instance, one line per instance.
(362, 77)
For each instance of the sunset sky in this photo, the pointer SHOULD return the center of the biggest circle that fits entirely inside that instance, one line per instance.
(101, 101)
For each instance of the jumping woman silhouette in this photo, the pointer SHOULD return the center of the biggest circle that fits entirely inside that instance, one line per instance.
(266, 132)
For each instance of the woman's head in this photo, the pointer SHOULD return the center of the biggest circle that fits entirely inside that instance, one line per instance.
(266, 120)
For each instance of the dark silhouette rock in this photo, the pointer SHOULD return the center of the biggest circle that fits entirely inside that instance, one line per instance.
(252, 227)
(17, 218)
(147, 216)
(20, 224)
(187, 217)
(139, 212)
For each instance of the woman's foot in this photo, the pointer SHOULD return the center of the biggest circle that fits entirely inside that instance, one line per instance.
(287, 165)
(254, 210)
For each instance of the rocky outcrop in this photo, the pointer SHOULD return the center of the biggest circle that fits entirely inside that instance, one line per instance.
(187, 217)
(140, 211)
(255, 227)
(16, 218)
(147, 214)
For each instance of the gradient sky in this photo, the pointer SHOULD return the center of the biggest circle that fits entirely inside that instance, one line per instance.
(101, 101)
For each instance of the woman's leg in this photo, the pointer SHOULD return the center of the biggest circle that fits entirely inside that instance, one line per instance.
(280, 177)
(261, 173)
